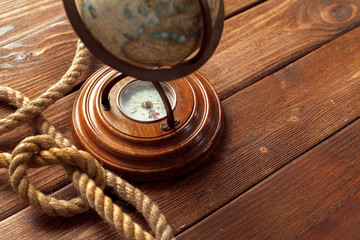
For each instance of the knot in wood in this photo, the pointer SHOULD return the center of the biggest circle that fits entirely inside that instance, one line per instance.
(264, 150)
(21, 56)
(339, 13)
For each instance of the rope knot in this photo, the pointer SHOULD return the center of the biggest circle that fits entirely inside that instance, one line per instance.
(38, 151)
(42, 150)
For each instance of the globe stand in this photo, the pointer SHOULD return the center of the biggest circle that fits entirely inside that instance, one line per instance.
(144, 151)
(131, 146)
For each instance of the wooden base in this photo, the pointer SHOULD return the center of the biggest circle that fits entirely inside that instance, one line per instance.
(142, 151)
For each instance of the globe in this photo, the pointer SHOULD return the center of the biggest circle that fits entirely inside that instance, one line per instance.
(146, 33)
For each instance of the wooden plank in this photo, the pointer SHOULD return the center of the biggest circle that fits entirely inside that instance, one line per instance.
(271, 35)
(42, 58)
(55, 44)
(295, 199)
(344, 224)
(281, 116)
(20, 18)
(37, 44)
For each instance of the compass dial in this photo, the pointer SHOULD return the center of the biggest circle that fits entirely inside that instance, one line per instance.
(140, 101)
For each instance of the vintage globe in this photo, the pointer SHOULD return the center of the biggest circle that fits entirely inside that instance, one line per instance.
(146, 33)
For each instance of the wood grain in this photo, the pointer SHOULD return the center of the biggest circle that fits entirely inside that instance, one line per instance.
(42, 57)
(344, 224)
(295, 199)
(281, 117)
(271, 35)
(20, 18)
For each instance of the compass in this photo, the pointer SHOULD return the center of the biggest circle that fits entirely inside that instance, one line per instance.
(140, 101)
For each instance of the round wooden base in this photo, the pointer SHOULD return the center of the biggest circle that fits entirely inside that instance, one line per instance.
(142, 151)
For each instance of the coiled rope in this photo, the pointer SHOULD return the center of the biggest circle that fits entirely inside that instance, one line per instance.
(88, 176)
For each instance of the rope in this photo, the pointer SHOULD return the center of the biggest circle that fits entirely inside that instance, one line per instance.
(88, 176)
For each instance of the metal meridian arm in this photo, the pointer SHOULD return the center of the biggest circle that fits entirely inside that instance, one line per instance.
(105, 101)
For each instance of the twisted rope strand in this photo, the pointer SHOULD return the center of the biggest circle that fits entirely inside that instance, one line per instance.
(107, 209)
(87, 174)
(142, 203)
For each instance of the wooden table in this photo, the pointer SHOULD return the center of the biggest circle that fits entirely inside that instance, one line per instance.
(288, 74)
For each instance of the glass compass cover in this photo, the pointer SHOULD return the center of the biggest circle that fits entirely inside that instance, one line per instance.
(140, 101)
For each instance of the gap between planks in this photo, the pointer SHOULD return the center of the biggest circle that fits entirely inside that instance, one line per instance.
(235, 7)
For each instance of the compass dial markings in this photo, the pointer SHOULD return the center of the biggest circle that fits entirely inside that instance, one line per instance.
(140, 101)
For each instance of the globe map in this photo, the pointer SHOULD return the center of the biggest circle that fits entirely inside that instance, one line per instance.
(146, 33)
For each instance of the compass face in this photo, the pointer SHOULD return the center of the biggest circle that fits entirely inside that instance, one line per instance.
(140, 101)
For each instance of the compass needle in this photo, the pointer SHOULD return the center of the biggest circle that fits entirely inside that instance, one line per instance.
(134, 110)
(151, 95)
(142, 98)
